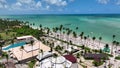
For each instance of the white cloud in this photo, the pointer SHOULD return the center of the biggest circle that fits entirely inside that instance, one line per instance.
(26, 1)
(18, 4)
(47, 7)
(118, 2)
(26, 5)
(64, 3)
(56, 2)
(34, 4)
(38, 4)
(3, 4)
(103, 1)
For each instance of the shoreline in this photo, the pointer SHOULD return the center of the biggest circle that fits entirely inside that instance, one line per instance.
(102, 41)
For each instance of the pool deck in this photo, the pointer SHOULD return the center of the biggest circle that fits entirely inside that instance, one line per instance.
(23, 54)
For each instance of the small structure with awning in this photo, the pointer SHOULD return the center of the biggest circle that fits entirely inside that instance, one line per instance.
(106, 49)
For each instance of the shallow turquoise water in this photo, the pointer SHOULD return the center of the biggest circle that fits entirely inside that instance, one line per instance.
(100, 25)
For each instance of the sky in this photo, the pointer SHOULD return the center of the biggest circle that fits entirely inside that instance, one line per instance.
(59, 6)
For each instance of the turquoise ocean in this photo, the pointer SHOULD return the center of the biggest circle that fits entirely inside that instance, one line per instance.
(93, 25)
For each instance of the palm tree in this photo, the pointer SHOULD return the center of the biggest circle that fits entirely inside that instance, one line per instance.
(70, 42)
(41, 51)
(81, 35)
(32, 46)
(0, 37)
(114, 36)
(33, 24)
(48, 31)
(12, 41)
(39, 40)
(76, 28)
(83, 48)
(114, 43)
(7, 57)
(40, 25)
(117, 44)
(1, 49)
(55, 56)
(68, 33)
(74, 34)
(93, 40)
(106, 48)
(22, 47)
(61, 27)
(1, 45)
(88, 39)
(85, 38)
(51, 47)
(100, 38)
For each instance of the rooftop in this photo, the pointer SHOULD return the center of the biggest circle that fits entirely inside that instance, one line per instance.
(71, 58)
(23, 37)
(23, 54)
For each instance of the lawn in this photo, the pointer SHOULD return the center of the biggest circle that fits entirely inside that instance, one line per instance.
(7, 35)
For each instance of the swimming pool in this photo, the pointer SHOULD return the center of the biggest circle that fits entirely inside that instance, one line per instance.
(14, 45)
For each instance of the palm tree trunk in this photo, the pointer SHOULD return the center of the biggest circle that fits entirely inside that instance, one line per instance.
(22, 56)
(93, 44)
(32, 50)
(55, 62)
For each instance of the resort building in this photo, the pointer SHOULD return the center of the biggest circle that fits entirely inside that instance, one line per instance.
(54, 62)
(26, 38)
(29, 50)
(72, 59)
(41, 56)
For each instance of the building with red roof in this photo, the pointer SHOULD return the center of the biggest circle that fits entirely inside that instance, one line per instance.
(71, 58)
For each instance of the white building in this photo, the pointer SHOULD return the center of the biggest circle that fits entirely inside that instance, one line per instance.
(26, 38)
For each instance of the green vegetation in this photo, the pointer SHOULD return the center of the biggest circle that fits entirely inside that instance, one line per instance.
(1, 65)
(117, 57)
(4, 54)
(97, 63)
(6, 36)
(10, 28)
(31, 63)
(6, 24)
(109, 55)
(26, 30)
